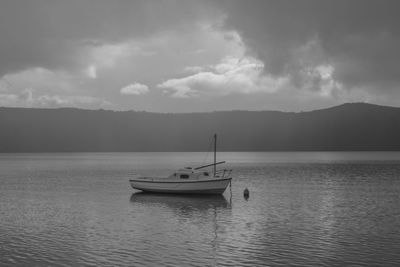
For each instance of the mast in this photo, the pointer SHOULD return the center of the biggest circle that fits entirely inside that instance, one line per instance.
(215, 154)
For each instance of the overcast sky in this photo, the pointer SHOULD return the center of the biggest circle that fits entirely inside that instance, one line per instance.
(190, 56)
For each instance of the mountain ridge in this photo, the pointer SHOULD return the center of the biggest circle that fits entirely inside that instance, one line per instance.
(347, 127)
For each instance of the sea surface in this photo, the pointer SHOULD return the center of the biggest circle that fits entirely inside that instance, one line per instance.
(304, 209)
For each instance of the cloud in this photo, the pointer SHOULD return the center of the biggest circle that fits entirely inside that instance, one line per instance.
(91, 71)
(40, 78)
(68, 101)
(231, 75)
(262, 50)
(359, 39)
(40, 87)
(100, 64)
(135, 89)
(26, 98)
(7, 99)
(193, 69)
(55, 34)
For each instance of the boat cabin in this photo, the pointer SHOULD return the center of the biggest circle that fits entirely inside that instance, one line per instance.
(189, 173)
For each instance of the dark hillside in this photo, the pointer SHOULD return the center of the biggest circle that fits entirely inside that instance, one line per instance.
(346, 127)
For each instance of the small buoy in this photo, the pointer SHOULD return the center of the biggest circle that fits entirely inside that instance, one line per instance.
(246, 193)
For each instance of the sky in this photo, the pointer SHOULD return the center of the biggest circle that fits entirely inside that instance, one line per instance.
(199, 56)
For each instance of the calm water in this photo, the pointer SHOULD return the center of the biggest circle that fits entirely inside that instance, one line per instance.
(314, 209)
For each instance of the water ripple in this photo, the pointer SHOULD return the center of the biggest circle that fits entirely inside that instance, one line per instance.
(61, 211)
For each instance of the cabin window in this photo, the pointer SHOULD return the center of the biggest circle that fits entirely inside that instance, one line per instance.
(206, 174)
(184, 176)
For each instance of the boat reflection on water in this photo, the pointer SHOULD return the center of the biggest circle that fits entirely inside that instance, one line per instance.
(208, 213)
(181, 203)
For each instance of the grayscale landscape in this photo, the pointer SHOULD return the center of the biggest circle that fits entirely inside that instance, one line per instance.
(199, 133)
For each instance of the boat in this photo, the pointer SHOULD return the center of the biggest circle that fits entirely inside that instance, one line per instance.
(188, 180)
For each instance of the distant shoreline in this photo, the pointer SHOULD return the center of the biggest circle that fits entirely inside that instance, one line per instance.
(348, 127)
(180, 152)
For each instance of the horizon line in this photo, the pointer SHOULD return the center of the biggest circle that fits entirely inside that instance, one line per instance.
(199, 112)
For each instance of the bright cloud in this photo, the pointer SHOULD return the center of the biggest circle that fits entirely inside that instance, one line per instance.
(41, 78)
(6, 99)
(77, 101)
(193, 51)
(193, 69)
(27, 98)
(231, 75)
(135, 89)
(107, 55)
(91, 72)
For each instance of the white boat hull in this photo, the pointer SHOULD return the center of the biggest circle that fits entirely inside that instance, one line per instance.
(201, 186)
